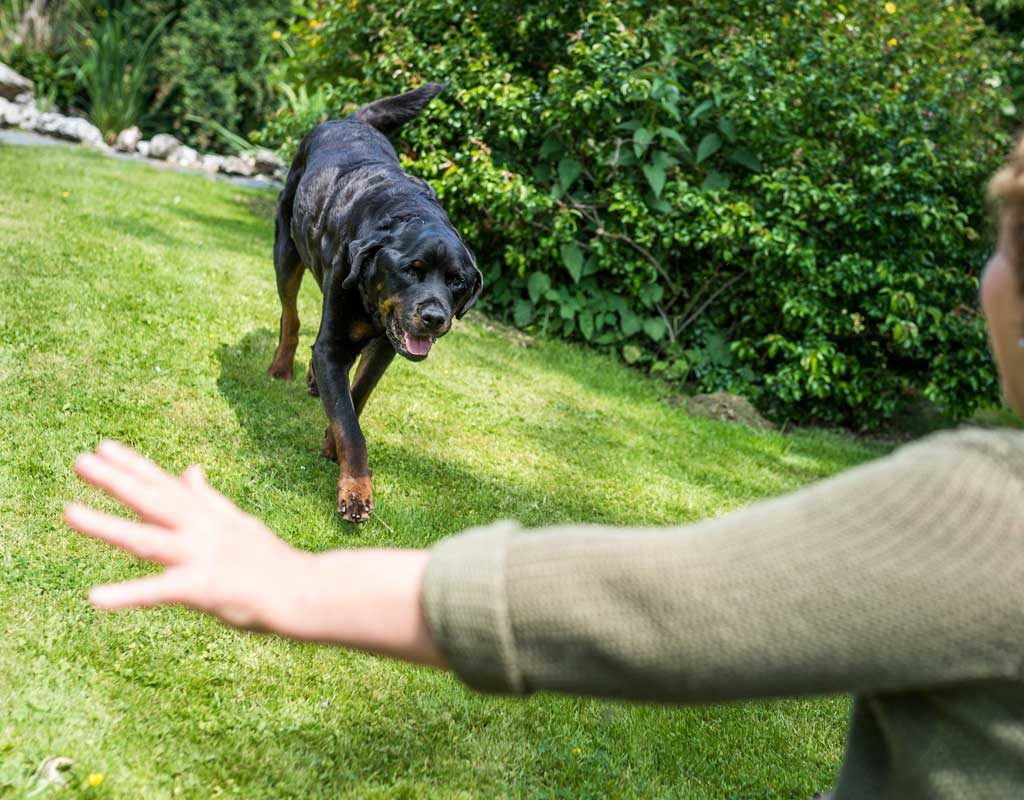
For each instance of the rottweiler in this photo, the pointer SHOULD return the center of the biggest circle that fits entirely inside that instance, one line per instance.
(391, 266)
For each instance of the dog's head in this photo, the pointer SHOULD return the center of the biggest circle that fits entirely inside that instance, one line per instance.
(415, 280)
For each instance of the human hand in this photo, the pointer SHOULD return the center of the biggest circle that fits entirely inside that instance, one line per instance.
(216, 558)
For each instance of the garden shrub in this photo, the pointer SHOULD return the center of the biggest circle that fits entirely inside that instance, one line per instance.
(779, 199)
(209, 62)
(214, 64)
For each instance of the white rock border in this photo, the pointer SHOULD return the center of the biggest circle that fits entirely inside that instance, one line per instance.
(22, 113)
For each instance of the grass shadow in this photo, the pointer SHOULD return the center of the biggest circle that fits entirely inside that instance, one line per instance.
(427, 496)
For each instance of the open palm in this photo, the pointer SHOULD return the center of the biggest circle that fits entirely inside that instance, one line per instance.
(216, 558)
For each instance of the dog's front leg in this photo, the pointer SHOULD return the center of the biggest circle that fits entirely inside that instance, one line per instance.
(332, 361)
(333, 356)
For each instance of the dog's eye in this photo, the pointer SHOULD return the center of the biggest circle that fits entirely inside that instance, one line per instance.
(456, 282)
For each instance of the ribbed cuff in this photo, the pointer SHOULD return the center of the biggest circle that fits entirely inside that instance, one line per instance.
(466, 607)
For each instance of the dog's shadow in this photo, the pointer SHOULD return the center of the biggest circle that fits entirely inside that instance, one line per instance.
(284, 426)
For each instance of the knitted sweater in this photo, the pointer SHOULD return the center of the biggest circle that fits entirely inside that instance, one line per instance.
(901, 581)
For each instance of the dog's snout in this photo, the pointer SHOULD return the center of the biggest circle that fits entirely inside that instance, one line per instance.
(433, 317)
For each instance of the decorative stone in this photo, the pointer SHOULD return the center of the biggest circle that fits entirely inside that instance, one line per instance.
(184, 156)
(74, 129)
(128, 140)
(211, 163)
(21, 113)
(142, 148)
(12, 84)
(266, 162)
(10, 114)
(233, 165)
(162, 145)
(29, 116)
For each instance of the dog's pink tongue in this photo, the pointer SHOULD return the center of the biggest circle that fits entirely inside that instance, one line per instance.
(417, 345)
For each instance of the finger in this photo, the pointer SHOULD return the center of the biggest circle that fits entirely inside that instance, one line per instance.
(147, 542)
(195, 479)
(153, 590)
(133, 462)
(164, 506)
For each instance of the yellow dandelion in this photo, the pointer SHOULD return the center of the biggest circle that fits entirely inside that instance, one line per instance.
(314, 23)
(577, 750)
(89, 41)
(893, 42)
(65, 194)
(95, 779)
(276, 36)
(890, 8)
(314, 41)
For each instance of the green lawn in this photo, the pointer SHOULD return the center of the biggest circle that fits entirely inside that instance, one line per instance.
(140, 305)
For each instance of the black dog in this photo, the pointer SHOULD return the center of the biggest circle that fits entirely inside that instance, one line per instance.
(392, 268)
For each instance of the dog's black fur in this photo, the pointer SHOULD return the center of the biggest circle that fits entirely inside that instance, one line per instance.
(392, 268)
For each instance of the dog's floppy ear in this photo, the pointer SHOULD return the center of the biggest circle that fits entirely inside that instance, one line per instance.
(473, 296)
(359, 252)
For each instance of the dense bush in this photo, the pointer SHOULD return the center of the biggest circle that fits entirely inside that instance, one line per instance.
(209, 62)
(213, 64)
(781, 199)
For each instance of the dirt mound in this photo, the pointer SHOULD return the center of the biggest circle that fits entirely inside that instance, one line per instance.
(726, 407)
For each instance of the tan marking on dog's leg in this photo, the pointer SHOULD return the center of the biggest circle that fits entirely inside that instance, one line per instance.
(282, 367)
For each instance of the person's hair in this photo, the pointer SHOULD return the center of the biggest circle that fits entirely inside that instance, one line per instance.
(1007, 185)
(1006, 192)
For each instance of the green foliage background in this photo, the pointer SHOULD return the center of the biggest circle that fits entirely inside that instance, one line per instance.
(779, 199)
(210, 61)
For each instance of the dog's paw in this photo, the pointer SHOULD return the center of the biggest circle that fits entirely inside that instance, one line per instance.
(283, 372)
(311, 381)
(355, 499)
(328, 447)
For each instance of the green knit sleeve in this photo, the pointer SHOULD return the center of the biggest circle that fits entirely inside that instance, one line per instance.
(906, 572)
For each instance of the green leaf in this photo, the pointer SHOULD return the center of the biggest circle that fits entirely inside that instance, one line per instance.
(717, 349)
(659, 204)
(674, 135)
(715, 181)
(522, 313)
(728, 129)
(538, 283)
(569, 170)
(651, 294)
(708, 146)
(551, 148)
(662, 159)
(631, 323)
(745, 158)
(642, 137)
(655, 328)
(631, 353)
(655, 177)
(701, 111)
(586, 323)
(572, 257)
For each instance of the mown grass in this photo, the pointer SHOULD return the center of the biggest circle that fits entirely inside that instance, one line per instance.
(140, 305)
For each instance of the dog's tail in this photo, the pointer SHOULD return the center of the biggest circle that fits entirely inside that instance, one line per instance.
(390, 113)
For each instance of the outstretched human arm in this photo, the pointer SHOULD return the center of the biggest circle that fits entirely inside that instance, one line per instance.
(906, 572)
(224, 562)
